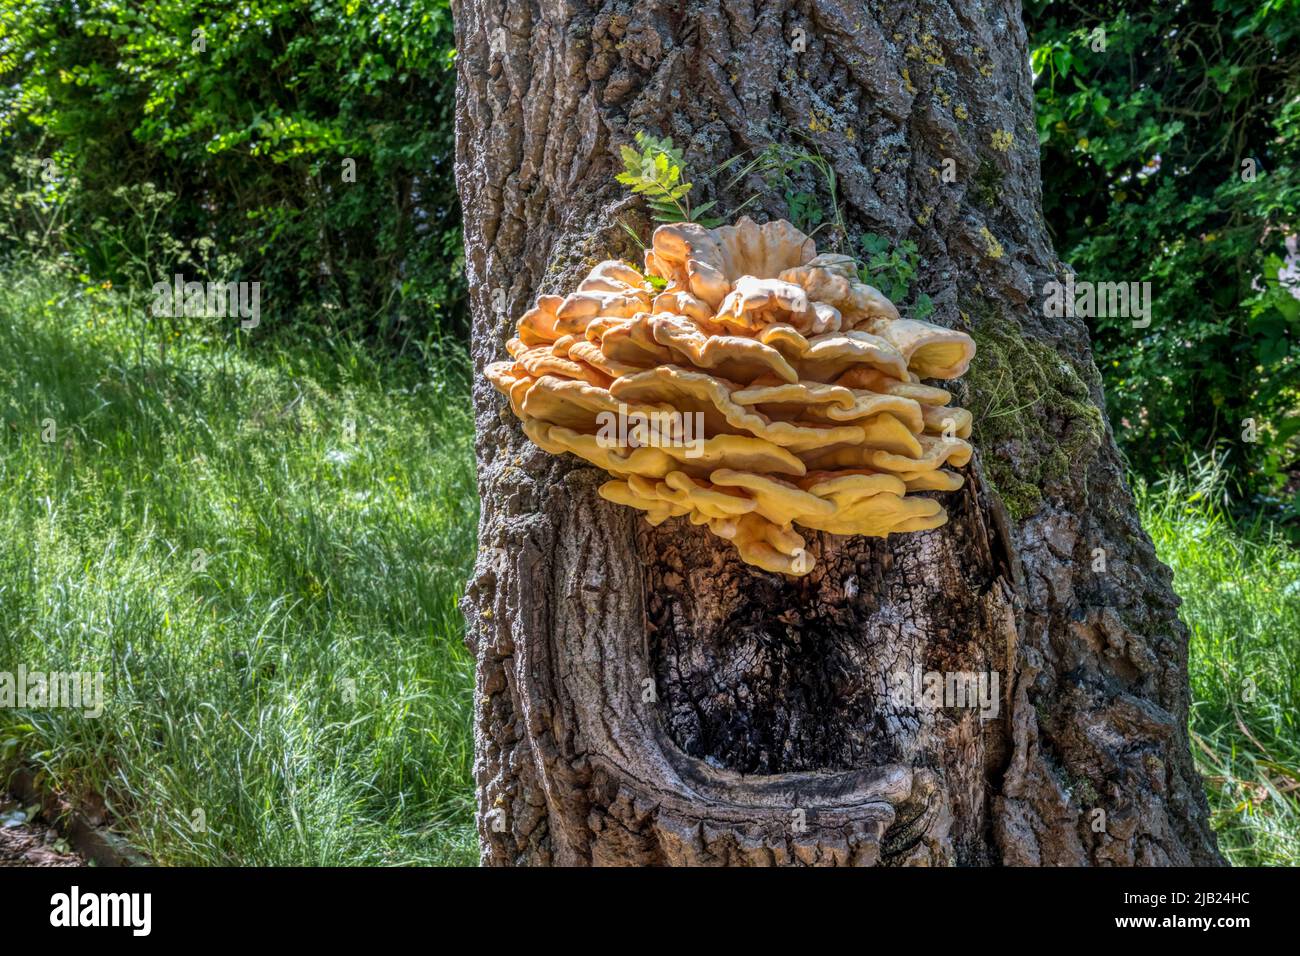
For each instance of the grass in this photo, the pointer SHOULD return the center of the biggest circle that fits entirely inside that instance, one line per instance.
(1241, 601)
(299, 693)
(261, 547)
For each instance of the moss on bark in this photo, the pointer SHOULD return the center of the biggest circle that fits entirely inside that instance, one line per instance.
(1035, 423)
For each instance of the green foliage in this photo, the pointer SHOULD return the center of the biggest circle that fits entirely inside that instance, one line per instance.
(262, 549)
(252, 116)
(655, 170)
(892, 270)
(792, 172)
(796, 174)
(1149, 146)
(34, 207)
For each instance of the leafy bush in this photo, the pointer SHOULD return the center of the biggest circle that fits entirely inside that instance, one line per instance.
(312, 140)
(1168, 135)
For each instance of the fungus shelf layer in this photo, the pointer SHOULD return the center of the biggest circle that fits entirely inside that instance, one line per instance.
(764, 388)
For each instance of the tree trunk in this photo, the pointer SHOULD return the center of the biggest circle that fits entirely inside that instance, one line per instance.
(644, 697)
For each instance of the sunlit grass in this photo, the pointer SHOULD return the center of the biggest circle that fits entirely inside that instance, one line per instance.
(262, 548)
(1241, 600)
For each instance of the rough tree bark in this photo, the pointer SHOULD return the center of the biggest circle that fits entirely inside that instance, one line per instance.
(644, 697)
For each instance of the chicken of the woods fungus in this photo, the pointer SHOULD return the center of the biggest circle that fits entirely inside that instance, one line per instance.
(761, 387)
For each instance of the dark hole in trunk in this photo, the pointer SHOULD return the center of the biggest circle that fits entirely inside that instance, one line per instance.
(763, 674)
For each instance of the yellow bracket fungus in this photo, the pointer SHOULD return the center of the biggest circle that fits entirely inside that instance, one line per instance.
(764, 387)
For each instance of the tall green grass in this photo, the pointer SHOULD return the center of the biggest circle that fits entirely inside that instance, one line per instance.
(1241, 601)
(262, 547)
